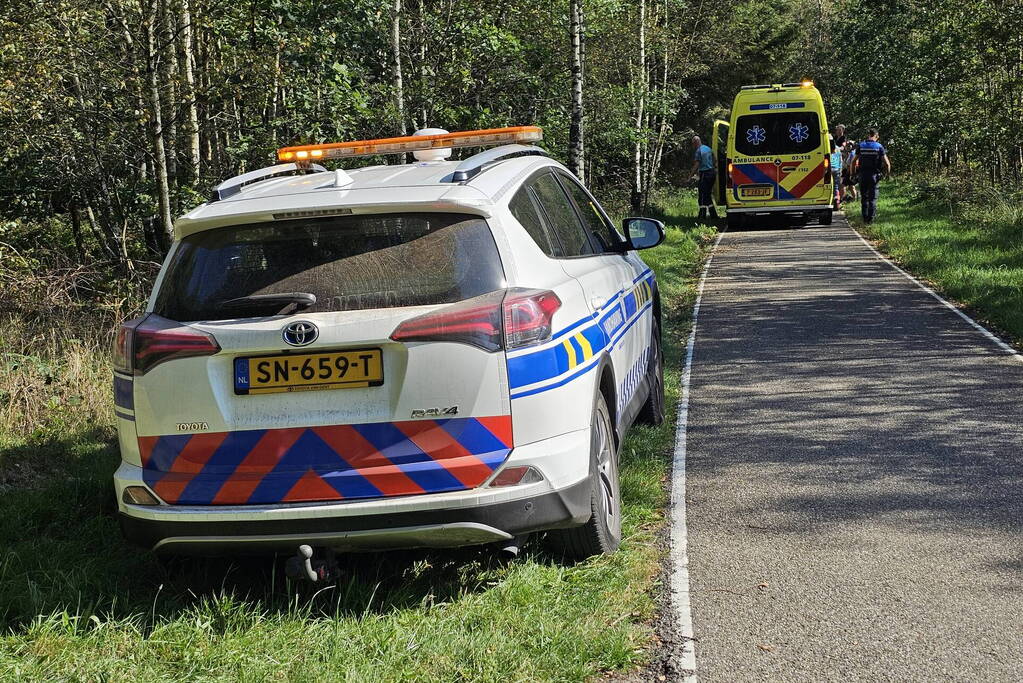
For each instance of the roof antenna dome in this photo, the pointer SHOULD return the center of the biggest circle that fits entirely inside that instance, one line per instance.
(439, 154)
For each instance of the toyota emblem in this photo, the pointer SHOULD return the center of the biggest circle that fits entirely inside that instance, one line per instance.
(301, 333)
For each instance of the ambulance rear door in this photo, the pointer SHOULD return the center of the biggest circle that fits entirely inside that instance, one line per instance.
(719, 145)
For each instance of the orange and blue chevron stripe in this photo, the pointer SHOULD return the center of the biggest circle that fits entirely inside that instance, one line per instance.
(340, 462)
(788, 184)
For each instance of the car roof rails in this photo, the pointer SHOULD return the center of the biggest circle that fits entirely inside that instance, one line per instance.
(478, 163)
(233, 186)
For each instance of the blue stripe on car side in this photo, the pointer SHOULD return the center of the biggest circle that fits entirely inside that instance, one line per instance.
(642, 275)
(536, 367)
(550, 362)
(568, 379)
(630, 304)
(621, 334)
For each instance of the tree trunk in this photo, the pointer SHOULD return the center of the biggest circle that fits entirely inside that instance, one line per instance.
(76, 231)
(424, 115)
(169, 66)
(655, 155)
(155, 118)
(188, 71)
(399, 90)
(576, 141)
(641, 88)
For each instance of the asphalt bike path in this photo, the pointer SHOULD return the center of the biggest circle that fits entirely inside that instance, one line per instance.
(854, 472)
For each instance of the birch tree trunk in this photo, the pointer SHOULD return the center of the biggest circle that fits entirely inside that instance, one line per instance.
(576, 141)
(641, 89)
(188, 71)
(399, 90)
(156, 118)
(423, 87)
(655, 155)
(169, 68)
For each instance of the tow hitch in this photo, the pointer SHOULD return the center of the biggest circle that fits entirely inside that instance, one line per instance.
(317, 565)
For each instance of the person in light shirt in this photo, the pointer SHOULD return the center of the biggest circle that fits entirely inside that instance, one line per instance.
(703, 163)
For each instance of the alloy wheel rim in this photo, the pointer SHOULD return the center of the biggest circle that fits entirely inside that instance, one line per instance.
(607, 466)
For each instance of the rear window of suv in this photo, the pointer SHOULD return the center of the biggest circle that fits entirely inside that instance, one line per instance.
(349, 263)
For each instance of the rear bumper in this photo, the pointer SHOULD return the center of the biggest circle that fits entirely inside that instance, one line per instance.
(256, 533)
(803, 208)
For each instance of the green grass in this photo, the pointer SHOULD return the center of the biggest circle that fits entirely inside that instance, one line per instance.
(77, 603)
(972, 252)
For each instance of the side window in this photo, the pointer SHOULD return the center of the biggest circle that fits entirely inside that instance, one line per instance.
(525, 212)
(561, 216)
(596, 224)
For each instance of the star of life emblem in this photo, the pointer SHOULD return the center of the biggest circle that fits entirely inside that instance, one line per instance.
(798, 132)
(756, 135)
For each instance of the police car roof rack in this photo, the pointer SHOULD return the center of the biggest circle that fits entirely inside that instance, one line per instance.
(478, 163)
(233, 186)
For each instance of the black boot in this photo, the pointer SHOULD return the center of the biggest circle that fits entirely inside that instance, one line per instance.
(713, 212)
(703, 214)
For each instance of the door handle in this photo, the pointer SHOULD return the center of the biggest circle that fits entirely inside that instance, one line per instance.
(597, 301)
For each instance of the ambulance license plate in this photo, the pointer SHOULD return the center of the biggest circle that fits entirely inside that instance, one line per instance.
(756, 192)
(350, 369)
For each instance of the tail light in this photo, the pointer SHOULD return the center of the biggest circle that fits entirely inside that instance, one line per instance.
(124, 345)
(143, 344)
(728, 182)
(527, 316)
(505, 319)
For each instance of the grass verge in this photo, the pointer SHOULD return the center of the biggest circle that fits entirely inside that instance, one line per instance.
(76, 602)
(970, 251)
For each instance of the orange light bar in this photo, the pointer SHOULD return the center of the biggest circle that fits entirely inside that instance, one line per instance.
(410, 143)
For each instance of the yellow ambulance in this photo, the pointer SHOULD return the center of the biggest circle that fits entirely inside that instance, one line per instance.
(774, 155)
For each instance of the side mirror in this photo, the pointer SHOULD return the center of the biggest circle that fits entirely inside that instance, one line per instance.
(643, 233)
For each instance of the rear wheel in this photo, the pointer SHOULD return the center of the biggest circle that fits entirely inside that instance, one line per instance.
(652, 412)
(734, 221)
(826, 217)
(603, 532)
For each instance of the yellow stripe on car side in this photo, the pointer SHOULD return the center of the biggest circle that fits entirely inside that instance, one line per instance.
(584, 344)
(572, 362)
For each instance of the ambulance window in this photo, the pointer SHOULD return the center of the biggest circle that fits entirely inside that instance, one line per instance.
(778, 133)
(593, 218)
(561, 217)
(526, 213)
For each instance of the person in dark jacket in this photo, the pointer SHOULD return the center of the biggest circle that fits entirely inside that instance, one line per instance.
(871, 163)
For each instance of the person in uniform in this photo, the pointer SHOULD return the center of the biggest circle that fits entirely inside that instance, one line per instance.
(703, 163)
(870, 163)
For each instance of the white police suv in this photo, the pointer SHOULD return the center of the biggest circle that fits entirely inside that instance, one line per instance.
(439, 353)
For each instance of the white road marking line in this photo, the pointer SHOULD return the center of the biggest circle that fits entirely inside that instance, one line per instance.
(679, 580)
(944, 302)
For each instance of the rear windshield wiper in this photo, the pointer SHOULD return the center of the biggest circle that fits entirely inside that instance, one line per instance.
(291, 302)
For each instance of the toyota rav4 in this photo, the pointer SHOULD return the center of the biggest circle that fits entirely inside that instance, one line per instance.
(430, 354)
